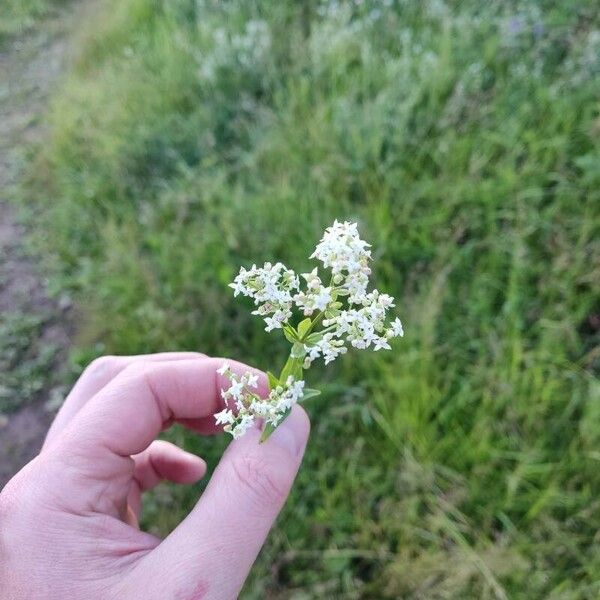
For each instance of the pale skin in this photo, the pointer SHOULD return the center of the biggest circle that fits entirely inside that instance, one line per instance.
(69, 519)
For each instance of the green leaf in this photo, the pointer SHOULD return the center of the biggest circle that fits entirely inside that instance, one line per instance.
(290, 334)
(269, 429)
(313, 338)
(298, 351)
(310, 393)
(273, 381)
(304, 326)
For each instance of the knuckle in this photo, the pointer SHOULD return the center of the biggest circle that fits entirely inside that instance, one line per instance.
(139, 368)
(265, 482)
(103, 366)
(138, 371)
(142, 375)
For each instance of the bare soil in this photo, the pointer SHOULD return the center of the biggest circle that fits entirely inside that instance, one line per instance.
(29, 68)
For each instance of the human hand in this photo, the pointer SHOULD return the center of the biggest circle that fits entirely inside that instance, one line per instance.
(68, 519)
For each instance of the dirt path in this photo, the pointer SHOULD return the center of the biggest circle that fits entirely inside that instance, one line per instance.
(34, 328)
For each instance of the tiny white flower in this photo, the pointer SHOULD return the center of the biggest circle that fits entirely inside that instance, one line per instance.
(313, 281)
(396, 328)
(223, 368)
(252, 381)
(381, 344)
(238, 288)
(246, 421)
(235, 389)
(272, 323)
(224, 417)
(226, 396)
(323, 298)
(385, 301)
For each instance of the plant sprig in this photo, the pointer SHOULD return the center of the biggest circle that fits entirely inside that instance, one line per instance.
(338, 315)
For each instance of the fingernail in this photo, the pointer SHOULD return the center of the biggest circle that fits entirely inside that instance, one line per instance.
(292, 433)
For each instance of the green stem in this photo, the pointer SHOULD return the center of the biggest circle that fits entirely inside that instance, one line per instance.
(293, 367)
(315, 322)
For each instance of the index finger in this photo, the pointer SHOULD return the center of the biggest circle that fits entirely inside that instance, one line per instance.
(97, 375)
(127, 414)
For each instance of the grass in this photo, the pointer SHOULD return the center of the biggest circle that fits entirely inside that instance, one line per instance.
(194, 137)
(24, 361)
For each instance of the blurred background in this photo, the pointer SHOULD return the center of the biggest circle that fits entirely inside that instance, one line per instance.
(151, 147)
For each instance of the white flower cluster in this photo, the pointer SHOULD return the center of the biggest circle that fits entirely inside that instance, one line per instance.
(342, 251)
(271, 289)
(362, 326)
(241, 395)
(360, 321)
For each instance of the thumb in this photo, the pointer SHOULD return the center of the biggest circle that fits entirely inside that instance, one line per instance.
(210, 554)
